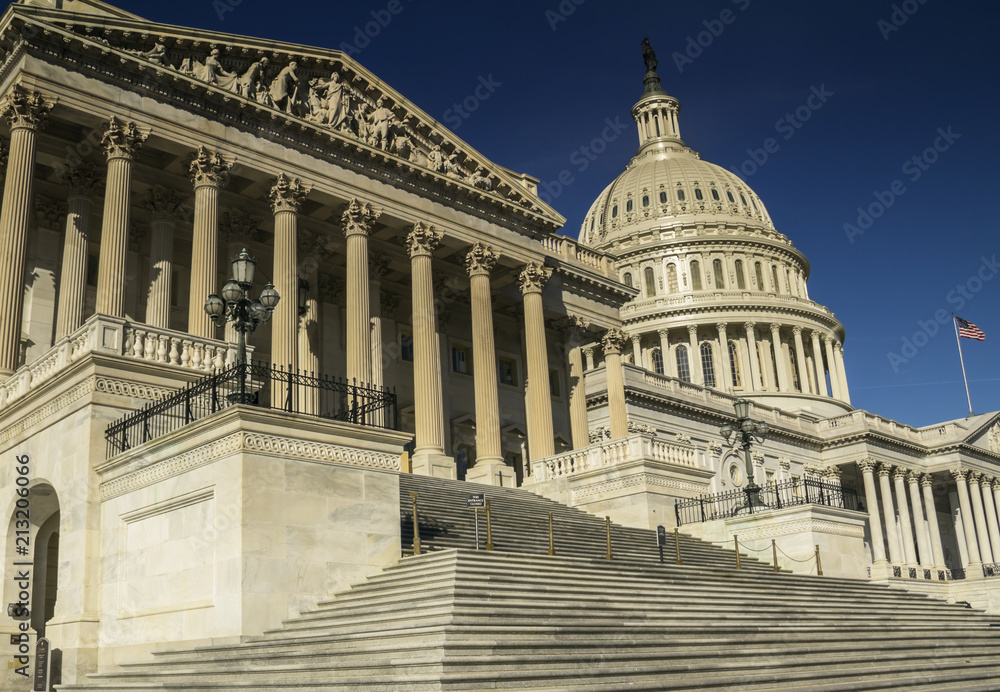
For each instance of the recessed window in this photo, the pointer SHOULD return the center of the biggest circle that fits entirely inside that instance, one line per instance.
(754, 203)
(740, 279)
(406, 346)
(657, 361)
(720, 281)
(734, 365)
(683, 366)
(715, 194)
(759, 274)
(672, 278)
(707, 364)
(663, 197)
(507, 371)
(680, 195)
(697, 194)
(743, 199)
(645, 200)
(695, 275)
(774, 277)
(730, 196)
(461, 360)
(628, 206)
(627, 279)
(650, 281)
(614, 212)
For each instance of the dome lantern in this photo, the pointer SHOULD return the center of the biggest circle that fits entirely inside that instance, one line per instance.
(656, 112)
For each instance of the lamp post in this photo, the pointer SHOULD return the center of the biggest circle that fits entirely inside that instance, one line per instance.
(245, 314)
(746, 432)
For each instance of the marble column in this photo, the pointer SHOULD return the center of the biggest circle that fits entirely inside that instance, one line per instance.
(84, 182)
(965, 505)
(26, 112)
(538, 397)
(669, 364)
(919, 523)
(989, 507)
(479, 263)
(838, 357)
(637, 350)
(428, 409)
(697, 376)
(800, 360)
(899, 481)
(832, 365)
(889, 512)
(779, 360)
(614, 341)
(121, 142)
(209, 173)
(867, 467)
(976, 495)
(286, 195)
(574, 330)
(378, 265)
(818, 362)
(726, 376)
(163, 205)
(308, 338)
(358, 219)
(927, 487)
(754, 384)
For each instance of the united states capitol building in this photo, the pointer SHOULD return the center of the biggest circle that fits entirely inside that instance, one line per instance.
(434, 318)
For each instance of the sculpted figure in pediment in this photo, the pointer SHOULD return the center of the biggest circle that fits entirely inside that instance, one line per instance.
(436, 161)
(379, 121)
(157, 54)
(480, 180)
(328, 101)
(284, 88)
(211, 71)
(250, 83)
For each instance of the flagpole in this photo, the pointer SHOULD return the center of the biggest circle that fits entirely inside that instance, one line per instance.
(962, 361)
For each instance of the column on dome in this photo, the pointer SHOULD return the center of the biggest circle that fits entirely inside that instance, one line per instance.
(889, 512)
(574, 330)
(982, 533)
(358, 219)
(965, 505)
(538, 397)
(286, 195)
(727, 373)
(831, 365)
(779, 359)
(697, 376)
(989, 507)
(121, 142)
(26, 112)
(613, 342)
(669, 364)
(163, 206)
(800, 359)
(838, 356)
(754, 377)
(919, 524)
(378, 265)
(818, 362)
(927, 487)
(867, 467)
(309, 329)
(588, 353)
(637, 350)
(909, 551)
(84, 182)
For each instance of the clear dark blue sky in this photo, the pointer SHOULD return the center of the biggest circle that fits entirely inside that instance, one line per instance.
(558, 75)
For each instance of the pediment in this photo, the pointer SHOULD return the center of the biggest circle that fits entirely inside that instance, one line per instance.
(987, 435)
(313, 93)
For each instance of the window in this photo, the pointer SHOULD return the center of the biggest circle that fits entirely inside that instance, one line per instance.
(406, 346)
(645, 200)
(759, 274)
(769, 475)
(628, 206)
(793, 359)
(741, 282)
(734, 365)
(743, 199)
(554, 388)
(663, 197)
(720, 279)
(697, 194)
(614, 212)
(683, 367)
(627, 279)
(650, 281)
(708, 364)
(507, 371)
(715, 194)
(774, 277)
(672, 277)
(680, 195)
(695, 275)
(461, 360)
(657, 361)
(729, 195)
(788, 281)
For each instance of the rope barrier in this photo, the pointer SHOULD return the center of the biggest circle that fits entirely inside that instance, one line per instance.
(775, 549)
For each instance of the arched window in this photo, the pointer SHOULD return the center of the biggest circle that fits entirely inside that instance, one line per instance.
(715, 194)
(697, 194)
(774, 277)
(734, 364)
(788, 281)
(708, 364)
(627, 279)
(645, 200)
(720, 279)
(672, 278)
(650, 281)
(657, 357)
(793, 358)
(663, 197)
(695, 275)
(628, 206)
(743, 199)
(741, 282)
(680, 195)
(729, 195)
(683, 366)
(759, 275)
(614, 212)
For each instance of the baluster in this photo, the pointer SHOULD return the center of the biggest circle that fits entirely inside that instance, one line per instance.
(196, 362)
(138, 343)
(161, 349)
(220, 361)
(186, 353)
(149, 346)
(174, 355)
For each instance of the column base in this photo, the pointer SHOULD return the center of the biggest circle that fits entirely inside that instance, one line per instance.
(974, 571)
(881, 571)
(499, 475)
(433, 464)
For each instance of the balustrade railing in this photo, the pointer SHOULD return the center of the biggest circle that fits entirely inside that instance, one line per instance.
(610, 453)
(787, 493)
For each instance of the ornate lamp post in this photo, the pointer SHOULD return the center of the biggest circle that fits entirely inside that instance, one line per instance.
(245, 314)
(744, 434)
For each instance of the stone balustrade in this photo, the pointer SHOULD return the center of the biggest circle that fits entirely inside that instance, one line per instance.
(658, 304)
(568, 248)
(637, 446)
(157, 345)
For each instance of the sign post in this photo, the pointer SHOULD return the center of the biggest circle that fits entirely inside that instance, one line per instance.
(43, 666)
(476, 500)
(661, 540)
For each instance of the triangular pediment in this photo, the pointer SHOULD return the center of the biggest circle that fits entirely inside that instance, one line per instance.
(985, 433)
(317, 95)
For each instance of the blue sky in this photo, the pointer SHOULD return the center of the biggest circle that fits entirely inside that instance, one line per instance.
(900, 80)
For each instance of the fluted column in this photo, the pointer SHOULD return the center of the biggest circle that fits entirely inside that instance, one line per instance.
(919, 524)
(818, 362)
(899, 481)
(121, 142)
(378, 265)
(995, 486)
(889, 512)
(209, 172)
(358, 219)
(479, 263)
(800, 359)
(838, 355)
(965, 505)
(574, 330)
(982, 533)
(697, 376)
(637, 350)
(989, 507)
(832, 365)
(538, 397)
(726, 375)
(163, 205)
(613, 342)
(26, 112)
(588, 354)
(754, 374)
(779, 361)
(286, 196)
(867, 467)
(309, 333)
(84, 184)
(927, 486)
(669, 365)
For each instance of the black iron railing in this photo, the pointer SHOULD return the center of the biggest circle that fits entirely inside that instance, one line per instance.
(255, 384)
(787, 493)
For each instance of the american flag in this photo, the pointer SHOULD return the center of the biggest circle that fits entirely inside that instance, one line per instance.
(969, 330)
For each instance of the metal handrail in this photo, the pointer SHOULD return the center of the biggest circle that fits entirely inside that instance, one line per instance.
(787, 493)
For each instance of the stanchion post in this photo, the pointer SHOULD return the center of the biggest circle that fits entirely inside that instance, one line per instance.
(774, 552)
(677, 545)
(416, 527)
(736, 547)
(819, 565)
(607, 524)
(552, 545)
(489, 528)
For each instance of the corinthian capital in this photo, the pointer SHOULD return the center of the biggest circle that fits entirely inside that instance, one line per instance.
(163, 203)
(208, 168)
(574, 328)
(358, 218)
(122, 140)
(238, 226)
(378, 265)
(83, 180)
(287, 193)
(614, 341)
(422, 240)
(533, 277)
(959, 474)
(24, 108)
(867, 465)
(481, 259)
